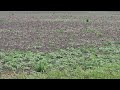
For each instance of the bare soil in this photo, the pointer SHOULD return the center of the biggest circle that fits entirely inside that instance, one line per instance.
(51, 32)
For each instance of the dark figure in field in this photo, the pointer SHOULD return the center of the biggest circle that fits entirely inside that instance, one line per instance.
(87, 20)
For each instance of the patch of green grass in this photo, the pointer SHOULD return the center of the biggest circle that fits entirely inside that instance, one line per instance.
(59, 30)
(90, 30)
(85, 62)
(41, 66)
(1, 21)
(97, 33)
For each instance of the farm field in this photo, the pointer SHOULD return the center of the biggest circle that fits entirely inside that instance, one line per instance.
(60, 45)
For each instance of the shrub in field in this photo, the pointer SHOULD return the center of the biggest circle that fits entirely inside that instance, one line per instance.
(41, 66)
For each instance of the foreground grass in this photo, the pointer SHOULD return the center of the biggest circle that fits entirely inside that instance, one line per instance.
(86, 62)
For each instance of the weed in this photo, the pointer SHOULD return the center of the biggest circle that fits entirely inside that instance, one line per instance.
(41, 66)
